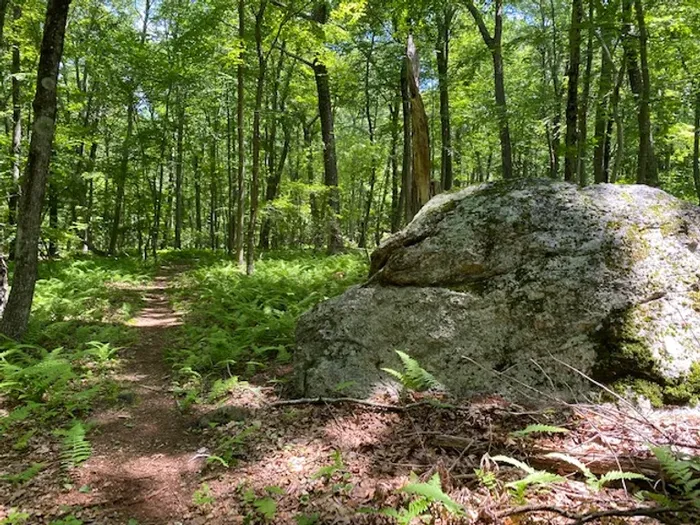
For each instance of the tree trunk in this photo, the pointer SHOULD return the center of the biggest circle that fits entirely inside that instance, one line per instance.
(53, 217)
(197, 201)
(16, 317)
(16, 142)
(395, 181)
(255, 182)
(585, 98)
(364, 228)
(444, 22)
(179, 208)
(3, 284)
(570, 160)
(275, 171)
(420, 169)
(406, 163)
(240, 139)
(121, 178)
(330, 166)
(494, 43)
(647, 169)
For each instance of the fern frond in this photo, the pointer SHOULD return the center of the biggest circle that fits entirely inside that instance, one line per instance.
(515, 463)
(414, 377)
(539, 429)
(618, 475)
(76, 448)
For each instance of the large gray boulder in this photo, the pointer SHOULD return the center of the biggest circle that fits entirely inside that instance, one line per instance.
(513, 287)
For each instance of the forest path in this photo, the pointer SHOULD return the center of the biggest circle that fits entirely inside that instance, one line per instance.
(145, 463)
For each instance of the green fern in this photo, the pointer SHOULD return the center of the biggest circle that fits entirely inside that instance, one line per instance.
(533, 478)
(425, 495)
(683, 474)
(538, 429)
(413, 377)
(76, 448)
(594, 482)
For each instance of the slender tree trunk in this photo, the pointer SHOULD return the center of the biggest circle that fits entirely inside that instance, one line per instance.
(121, 178)
(240, 139)
(53, 216)
(3, 284)
(330, 166)
(364, 228)
(570, 160)
(395, 181)
(16, 142)
(16, 316)
(197, 201)
(647, 168)
(278, 106)
(179, 207)
(444, 22)
(585, 98)
(494, 43)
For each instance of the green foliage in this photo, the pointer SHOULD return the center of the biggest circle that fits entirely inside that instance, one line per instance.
(538, 429)
(413, 377)
(683, 474)
(23, 477)
(203, 496)
(75, 447)
(233, 319)
(68, 520)
(15, 517)
(423, 496)
(594, 482)
(534, 477)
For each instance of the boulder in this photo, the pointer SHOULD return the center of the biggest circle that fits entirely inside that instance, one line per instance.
(529, 288)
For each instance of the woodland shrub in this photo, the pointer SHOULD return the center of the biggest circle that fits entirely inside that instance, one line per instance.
(243, 322)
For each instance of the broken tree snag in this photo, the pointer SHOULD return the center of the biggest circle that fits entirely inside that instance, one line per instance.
(420, 191)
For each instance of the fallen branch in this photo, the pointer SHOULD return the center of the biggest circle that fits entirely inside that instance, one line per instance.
(341, 400)
(597, 463)
(581, 519)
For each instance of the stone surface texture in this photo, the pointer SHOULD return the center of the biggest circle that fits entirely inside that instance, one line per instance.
(502, 287)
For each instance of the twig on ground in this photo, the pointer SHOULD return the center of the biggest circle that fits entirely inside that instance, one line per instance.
(340, 400)
(581, 519)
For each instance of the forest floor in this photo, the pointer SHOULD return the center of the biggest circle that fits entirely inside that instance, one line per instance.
(165, 449)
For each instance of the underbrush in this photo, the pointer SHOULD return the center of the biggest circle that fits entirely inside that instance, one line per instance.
(76, 328)
(240, 324)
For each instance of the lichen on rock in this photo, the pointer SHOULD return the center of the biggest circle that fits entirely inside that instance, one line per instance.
(498, 287)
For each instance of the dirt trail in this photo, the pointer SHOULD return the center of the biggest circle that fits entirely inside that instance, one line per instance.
(145, 463)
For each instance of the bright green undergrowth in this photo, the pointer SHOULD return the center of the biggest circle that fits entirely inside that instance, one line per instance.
(77, 327)
(236, 323)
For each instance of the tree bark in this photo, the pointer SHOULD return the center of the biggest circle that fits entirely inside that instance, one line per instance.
(494, 43)
(179, 208)
(570, 159)
(121, 178)
(585, 99)
(364, 228)
(647, 169)
(444, 23)
(16, 142)
(240, 139)
(330, 165)
(16, 317)
(420, 168)
(255, 182)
